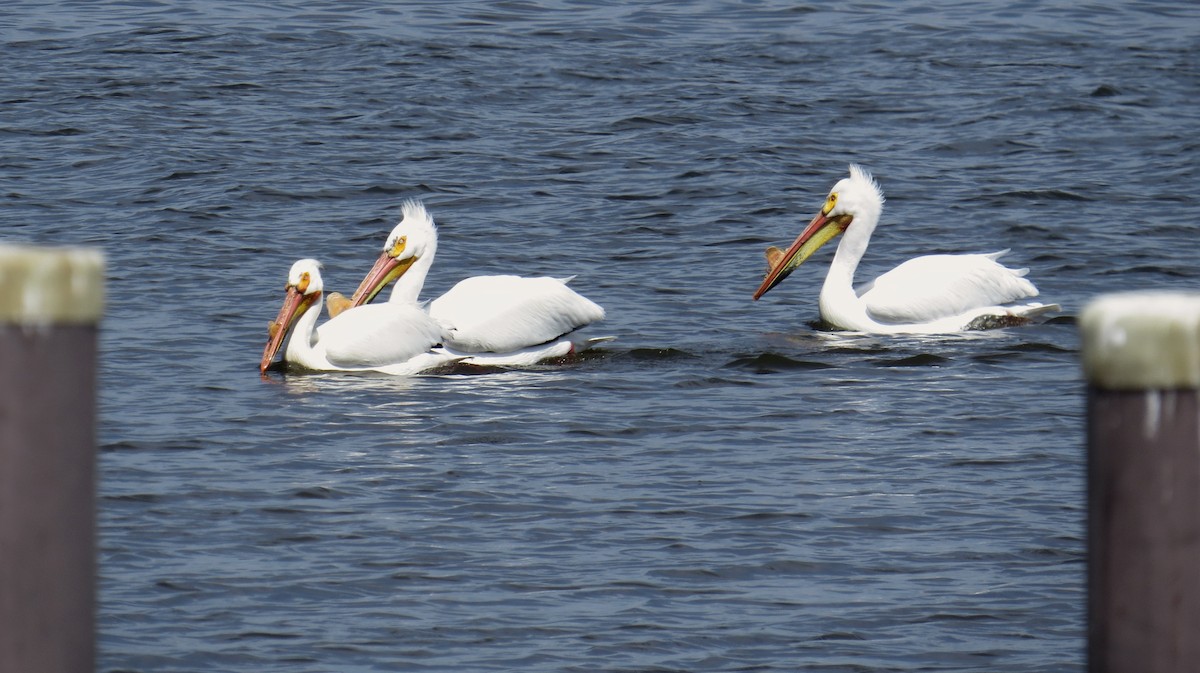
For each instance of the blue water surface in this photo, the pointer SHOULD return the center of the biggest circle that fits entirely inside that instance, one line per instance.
(724, 487)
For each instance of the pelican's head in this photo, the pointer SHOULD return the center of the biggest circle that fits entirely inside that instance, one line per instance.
(856, 197)
(304, 287)
(414, 238)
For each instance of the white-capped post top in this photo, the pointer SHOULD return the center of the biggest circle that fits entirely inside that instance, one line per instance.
(50, 286)
(1142, 340)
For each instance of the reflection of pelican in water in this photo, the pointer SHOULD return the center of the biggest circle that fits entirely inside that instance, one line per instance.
(927, 295)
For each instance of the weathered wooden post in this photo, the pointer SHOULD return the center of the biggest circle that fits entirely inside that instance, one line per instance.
(50, 305)
(1141, 356)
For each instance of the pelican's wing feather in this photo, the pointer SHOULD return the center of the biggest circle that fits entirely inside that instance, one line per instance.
(376, 335)
(500, 314)
(933, 287)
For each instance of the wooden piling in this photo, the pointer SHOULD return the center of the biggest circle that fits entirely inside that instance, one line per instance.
(50, 306)
(1141, 355)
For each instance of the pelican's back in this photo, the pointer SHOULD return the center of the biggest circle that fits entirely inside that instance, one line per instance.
(501, 314)
(933, 287)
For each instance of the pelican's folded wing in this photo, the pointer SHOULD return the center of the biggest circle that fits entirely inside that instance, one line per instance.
(500, 314)
(375, 335)
(933, 287)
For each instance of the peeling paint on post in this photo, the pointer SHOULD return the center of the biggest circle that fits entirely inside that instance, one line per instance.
(50, 307)
(1141, 356)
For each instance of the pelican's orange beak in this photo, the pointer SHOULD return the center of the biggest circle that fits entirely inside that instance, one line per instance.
(294, 306)
(819, 231)
(387, 269)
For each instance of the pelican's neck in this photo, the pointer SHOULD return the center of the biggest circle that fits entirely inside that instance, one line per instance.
(407, 288)
(849, 253)
(302, 345)
(840, 304)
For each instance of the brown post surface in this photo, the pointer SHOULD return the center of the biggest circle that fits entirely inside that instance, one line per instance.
(50, 305)
(1141, 355)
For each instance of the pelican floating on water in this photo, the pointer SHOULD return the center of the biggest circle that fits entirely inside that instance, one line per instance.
(492, 320)
(390, 339)
(925, 295)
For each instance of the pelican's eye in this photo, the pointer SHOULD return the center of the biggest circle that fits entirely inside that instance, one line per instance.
(830, 202)
(398, 247)
(303, 284)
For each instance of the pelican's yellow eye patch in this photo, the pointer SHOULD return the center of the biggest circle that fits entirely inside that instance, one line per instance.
(830, 202)
(303, 284)
(398, 247)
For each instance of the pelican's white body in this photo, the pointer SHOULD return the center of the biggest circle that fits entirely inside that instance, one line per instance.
(392, 339)
(925, 295)
(499, 314)
(495, 320)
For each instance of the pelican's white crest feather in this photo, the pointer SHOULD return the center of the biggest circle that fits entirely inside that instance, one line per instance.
(415, 220)
(861, 175)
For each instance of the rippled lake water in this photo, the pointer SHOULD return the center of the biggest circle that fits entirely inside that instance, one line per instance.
(724, 487)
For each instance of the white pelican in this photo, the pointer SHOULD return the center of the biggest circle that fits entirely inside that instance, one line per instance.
(389, 339)
(925, 295)
(496, 320)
